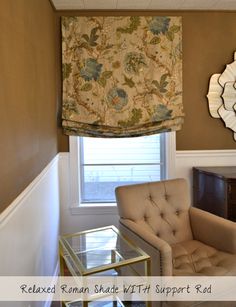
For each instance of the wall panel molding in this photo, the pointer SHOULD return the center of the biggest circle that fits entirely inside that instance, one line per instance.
(185, 160)
(21, 198)
(206, 153)
(29, 229)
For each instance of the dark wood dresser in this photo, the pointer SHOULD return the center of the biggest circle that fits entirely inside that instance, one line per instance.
(214, 190)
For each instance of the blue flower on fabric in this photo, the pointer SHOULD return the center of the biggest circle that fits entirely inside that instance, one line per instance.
(159, 25)
(161, 112)
(91, 70)
(134, 62)
(117, 98)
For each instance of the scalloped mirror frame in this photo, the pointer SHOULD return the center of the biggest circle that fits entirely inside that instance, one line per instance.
(222, 96)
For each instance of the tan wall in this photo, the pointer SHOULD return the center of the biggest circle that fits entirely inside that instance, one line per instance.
(27, 93)
(209, 41)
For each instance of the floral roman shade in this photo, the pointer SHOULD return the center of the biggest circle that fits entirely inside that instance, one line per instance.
(122, 76)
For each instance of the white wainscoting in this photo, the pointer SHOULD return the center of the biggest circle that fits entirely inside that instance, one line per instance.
(29, 230)
(29, 227)
(184, 161)
(187, 159)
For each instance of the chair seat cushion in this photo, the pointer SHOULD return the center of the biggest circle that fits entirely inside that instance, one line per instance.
(195, 258)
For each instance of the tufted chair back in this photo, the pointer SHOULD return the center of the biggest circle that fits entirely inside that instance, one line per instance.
(161, 208)
(180, 240)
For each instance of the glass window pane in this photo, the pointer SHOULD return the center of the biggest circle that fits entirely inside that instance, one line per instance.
(125, 150)
(108, 163)
(99, 182)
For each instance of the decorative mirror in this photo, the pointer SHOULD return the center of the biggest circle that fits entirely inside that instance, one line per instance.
(222, 96)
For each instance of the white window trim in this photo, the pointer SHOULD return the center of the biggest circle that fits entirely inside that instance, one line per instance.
(77, 208)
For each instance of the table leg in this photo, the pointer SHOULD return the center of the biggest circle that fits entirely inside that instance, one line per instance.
(61, 261)
(148, 273)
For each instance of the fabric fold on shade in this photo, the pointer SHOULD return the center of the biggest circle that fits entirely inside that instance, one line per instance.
(122, 76)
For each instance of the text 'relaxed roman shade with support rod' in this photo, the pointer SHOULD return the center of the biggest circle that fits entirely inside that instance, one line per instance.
(122, 76)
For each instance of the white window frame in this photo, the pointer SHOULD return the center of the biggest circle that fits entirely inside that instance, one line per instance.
(107, 208)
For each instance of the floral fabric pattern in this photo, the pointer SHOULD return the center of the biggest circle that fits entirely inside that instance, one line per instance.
(159, 25)
(91, 70)
(122, 76)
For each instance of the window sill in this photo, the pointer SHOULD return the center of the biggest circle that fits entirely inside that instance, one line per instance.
(94, 209)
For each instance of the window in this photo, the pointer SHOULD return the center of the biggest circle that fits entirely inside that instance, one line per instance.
(99, 165)
(108, 163)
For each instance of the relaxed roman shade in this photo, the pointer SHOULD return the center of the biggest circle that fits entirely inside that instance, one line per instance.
(122, 76)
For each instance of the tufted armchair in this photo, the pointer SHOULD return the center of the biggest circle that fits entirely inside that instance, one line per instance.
(180, 239)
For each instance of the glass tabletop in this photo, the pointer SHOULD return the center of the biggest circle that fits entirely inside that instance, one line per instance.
(92, 250)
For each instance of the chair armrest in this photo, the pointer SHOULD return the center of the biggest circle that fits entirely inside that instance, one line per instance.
(159, 250)
(213, 230)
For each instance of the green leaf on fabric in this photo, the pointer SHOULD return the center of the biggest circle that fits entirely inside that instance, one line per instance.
(175, 28)
(136, 115)
(161, 86)
(93, 37)
(109, 46)
(86, 87)
(91, 40)
(102, 81)
(129, 82)
(93, 32)
(86, 37)
(93, 44)
(163, 79)
(134, 23)
(170, 35)
(69, 107)
(106, 74)
(66, 70)
(156, 83)
(85, 46)
(155, 40)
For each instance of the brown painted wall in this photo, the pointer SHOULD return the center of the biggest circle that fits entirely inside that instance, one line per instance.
(209, 41)
(27, 93)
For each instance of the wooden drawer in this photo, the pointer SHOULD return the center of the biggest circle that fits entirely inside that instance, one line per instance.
(232, 192)
(232, 212)
(214, 190)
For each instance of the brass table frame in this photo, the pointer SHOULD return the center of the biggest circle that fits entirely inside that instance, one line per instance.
(78, 266)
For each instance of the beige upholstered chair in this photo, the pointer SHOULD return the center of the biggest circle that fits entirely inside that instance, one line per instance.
(180, 239)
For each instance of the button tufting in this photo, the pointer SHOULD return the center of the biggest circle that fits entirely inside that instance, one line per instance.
(158, 235)
(161, 215)
(150, 197)
(166, 196)
(177, 212)
(174, 232)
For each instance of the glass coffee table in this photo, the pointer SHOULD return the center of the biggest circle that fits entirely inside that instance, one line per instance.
(102, 251)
